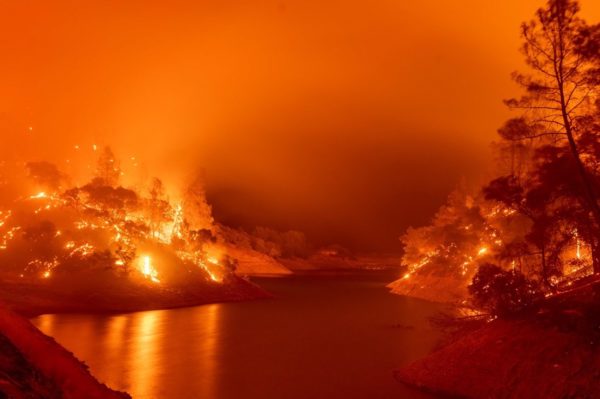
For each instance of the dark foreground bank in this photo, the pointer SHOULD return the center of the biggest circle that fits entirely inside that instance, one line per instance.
(551, 354)
(34, 366)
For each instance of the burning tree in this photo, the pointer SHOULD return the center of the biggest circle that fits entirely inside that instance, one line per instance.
(108, 169)
(559, 112)
(539, 220)
(101, 233)
(440, 259)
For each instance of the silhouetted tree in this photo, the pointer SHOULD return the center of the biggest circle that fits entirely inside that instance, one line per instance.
(558, 47)
(158, 206)
(533, 202)
(107, 199)
(503, 293)
(197, 210)
(108, 168)
(45, 174)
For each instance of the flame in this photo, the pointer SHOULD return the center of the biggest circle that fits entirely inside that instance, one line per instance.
(213, 260)
(83, 250)
(147, 270)
(577, 245)
(39, 195)
(101, 232)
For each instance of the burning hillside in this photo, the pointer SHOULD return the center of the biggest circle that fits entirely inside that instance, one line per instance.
(99, 241)
(442, 258)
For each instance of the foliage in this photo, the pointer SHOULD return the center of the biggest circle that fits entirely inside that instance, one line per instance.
(539, 217)
(503, 293)
(559, 113)
(464, 232)
(45, 174)
(104, 229)
(108, 168)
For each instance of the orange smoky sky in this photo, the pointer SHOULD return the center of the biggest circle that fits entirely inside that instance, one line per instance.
(348, 120)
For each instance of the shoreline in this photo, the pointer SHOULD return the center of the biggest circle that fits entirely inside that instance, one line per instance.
(34, 301)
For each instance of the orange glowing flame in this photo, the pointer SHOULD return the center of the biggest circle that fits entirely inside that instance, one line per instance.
(213, 260)
(147, 270)
(39, 195)
(577, 245)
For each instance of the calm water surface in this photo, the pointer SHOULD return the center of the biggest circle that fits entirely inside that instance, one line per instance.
(322, 337)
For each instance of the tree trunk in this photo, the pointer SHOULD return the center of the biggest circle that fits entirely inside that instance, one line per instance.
(587, 184)
(596, 254)
(544, 267)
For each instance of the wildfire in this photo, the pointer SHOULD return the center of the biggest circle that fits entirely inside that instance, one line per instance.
(82, 250)
(196, 258)
(103, 224)
(487, 243)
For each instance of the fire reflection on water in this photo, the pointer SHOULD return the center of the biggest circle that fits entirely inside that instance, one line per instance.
(143, 353)
(292, 347)
(132, 352)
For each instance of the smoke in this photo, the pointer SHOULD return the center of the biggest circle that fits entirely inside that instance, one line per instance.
(329, 117)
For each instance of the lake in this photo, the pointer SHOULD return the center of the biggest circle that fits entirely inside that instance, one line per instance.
(323, 336)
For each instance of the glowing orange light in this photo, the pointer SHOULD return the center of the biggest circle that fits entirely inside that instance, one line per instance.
(213, 260)
(39, 195)
(147, 270)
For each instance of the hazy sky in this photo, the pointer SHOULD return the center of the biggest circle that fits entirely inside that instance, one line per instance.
(349, 120)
